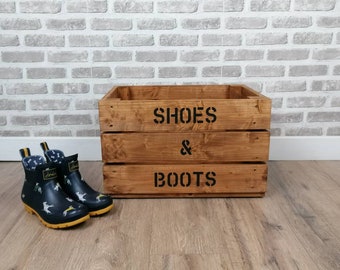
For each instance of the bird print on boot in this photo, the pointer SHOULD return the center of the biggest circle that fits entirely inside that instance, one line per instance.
(67, 181)
(37, 188)
(81, 196)
(100, 196)
(70, 208)
(46, 207)
(57, 187)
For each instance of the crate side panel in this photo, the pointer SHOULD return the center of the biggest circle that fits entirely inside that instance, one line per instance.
(211, 180)
(182, 115)
(205, 147)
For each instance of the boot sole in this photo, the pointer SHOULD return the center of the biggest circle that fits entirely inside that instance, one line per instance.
(59, 225)
(101, 211)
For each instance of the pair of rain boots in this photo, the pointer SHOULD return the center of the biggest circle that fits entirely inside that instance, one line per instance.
(56, 193)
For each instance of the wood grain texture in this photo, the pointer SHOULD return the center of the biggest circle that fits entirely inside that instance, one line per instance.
(194, 180)
(295, 226)
(206, 147)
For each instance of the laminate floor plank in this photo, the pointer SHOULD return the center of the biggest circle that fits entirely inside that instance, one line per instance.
(295, 226)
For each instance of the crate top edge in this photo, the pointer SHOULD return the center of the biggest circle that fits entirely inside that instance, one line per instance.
(155, 92)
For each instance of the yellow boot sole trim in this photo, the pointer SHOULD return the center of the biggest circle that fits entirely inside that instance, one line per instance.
(101, 211)
(59, 225)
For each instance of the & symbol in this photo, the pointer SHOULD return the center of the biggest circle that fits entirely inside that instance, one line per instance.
(185, 149)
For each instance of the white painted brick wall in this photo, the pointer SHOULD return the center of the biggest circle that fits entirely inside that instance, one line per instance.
(58, 58)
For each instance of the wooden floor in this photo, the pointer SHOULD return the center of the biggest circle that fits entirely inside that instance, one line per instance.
(295, 226)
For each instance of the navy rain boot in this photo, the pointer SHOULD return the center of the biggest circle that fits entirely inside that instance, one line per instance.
(74, 185)
(43, 196)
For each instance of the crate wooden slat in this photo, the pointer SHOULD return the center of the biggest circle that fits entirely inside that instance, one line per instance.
(206, 147)
(182, 131)
(206, 180)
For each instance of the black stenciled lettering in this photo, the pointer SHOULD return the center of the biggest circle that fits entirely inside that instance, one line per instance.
(158, 112)
(173, 115)
(185, 117)
(198, 177)
(175, 176)
(188, 180)
(210, 111)
(211, 181)
(198, 114)
(159, 179)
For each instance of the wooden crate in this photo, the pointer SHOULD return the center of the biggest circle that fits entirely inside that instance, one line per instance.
(187, 141)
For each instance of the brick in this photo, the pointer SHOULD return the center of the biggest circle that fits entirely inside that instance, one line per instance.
(303, 131)
(305, 102)
(156, 24)
(86, 6)
(86, 104)
(52, 133)
(7, 7)
(10, 73)
(67, 56)
(329, 22)
(314, 5)
(266, 38)
(323, 117)
(1, 91)
(89, 41)
(156, 56)
(277, 103)
(9, 40)
(130, 40)
(224, 71)
(177, 72)
(333, 131)
(111, 24)
(134, 72)
(330, 85)
(44, 41)
(292, 54)
(66, 24)
(20, 24)
(72, 119)
(111, 56)
(246, 23)
(338, 38)
(336, 70)
(199, 55)
(223, 5)
(287, 117)
(50, 104)
(327, 54)
(8, 104)
(270, 5)
(265, 71)
(308, 70)
(221, 40)
(22, 57)
(3, 121)
(286, 86)
(45, 6)
(335, 102)
(88, 133)
(243, 54)
(46, 73)
(92, 72)
(26, 89)
(14, 133)
(70, 88)
(102, 88)
(292, 22)
(312, 38)
(178, 40)
(275, 132)
(177, 6)
(133, 6)
(30, 120)
(201, 24)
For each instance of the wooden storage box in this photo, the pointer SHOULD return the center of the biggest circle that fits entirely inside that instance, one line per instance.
(186, 141)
